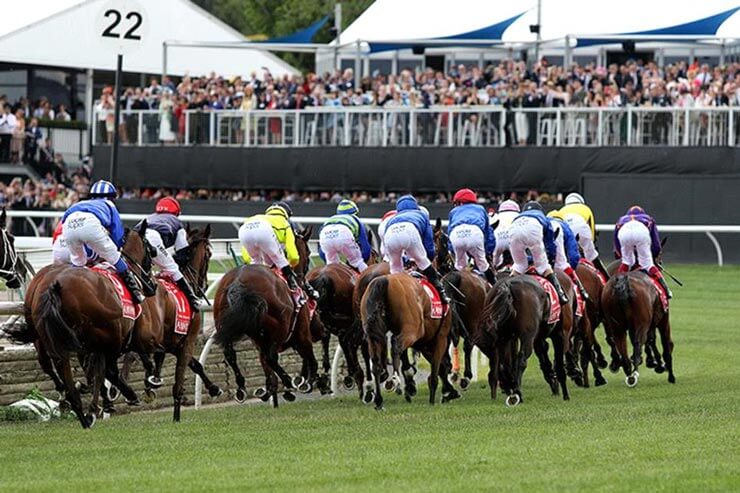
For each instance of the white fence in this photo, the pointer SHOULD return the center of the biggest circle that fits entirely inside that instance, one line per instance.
(449, 126)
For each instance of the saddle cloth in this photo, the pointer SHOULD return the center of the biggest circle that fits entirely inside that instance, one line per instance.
(661, 294)
(130, 310)
(183, 310)
(299, 297)
(590, 266)
(580, 302)
(439, 310)
(552, 294)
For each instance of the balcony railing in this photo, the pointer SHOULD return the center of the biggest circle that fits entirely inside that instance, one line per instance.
(445, 126)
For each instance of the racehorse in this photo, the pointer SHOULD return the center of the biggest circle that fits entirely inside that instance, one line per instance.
(155, 330)
(398, 303)
(12, 267)
(632, 305)
(79, 310)
(252, 301)
(515, 321)
(585, 342)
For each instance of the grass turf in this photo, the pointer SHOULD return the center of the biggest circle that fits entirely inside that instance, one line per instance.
(660, 437)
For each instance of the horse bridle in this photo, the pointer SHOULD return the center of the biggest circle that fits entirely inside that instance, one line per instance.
(8, 269)
(144, 276)
(201, 277)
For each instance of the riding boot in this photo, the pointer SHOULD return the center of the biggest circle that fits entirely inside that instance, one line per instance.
(187, 290)
(556, 283)
(433, 277)
(657, 275)
(290, 277)
(490, 276)
(310, 291)
(130, 281)
(601, 267)
(577, 281)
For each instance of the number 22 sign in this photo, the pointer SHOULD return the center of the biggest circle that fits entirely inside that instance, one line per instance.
(122, 25)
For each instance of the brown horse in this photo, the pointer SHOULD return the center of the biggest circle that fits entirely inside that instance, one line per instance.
(252, 301)
(78, 310)
(154, 330)
(631, 305)
(515, 322)
(397, 303)
(585, 341)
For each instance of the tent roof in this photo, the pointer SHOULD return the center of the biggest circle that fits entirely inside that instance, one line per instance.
(389, 22)
(47, 32)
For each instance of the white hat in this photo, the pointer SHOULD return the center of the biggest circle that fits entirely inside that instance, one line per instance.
(508, 206)
(574, 198)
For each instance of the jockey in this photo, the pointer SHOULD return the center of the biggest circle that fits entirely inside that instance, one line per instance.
(268, 239)
(532, 231)
(410, 232)
(508, 210)
(381, 231)
(60, 251)
(567, 255)
(95, 223)
(344, 234)
(636, 232)
(580, 218)
(471, 234)
(165, 230)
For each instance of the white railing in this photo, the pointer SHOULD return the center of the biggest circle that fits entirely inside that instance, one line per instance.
(437, 126)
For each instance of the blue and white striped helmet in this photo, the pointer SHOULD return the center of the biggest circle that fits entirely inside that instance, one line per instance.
(102, 188)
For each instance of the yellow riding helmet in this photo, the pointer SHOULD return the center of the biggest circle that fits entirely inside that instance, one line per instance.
(276, 210)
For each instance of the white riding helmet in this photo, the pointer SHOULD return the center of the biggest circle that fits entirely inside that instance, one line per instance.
(574, 198)
(424, 210)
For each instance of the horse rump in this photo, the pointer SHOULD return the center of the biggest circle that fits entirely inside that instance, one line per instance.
(324, 286)
(61, 338)
(242, 315)
(499, 307)
(375, 300)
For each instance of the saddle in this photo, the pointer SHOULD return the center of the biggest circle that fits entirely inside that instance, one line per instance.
(590, 266)
(298, 295)
(438, 309)
(552, 294)
(130, 310)
(183, 310)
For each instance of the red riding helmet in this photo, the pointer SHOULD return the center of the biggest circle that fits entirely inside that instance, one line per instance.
(465, 196)
(168, 205)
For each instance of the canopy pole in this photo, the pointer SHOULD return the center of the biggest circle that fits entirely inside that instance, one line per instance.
(567, 58)
(164, 61)
(338, 40)
(722, 52)
(394, 63)
(89, 110)
(481, 61)
(539, 33)
(358, 63)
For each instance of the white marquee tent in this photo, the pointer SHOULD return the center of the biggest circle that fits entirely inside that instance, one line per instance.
(61, 33)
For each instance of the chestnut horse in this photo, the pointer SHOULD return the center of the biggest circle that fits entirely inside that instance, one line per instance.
(252, 301)
(515, 322)
(78, 310)
(154, 330)
(631, 305)
(585, 342)
(397, 303)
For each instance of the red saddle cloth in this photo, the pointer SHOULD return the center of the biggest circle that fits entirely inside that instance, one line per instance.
(130, 310)
(553, 295)
(590, 266)
(183, 310)
(439, 309)
(580, 302)
(298, 295)
(661, 294)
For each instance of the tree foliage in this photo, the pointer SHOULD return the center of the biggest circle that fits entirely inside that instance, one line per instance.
(273, 18)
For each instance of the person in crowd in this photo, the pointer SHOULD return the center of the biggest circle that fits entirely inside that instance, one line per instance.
(8, 125)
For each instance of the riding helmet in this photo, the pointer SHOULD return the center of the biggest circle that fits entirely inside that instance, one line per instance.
(635, 209)
(509, 206)
(103, 189)
(280, 206)
(465, 196)
(533, 205)
(347, 206)
(574, 198)
(168, 205)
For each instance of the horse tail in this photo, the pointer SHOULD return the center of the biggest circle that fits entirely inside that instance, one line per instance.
(623, 290)
(459, 329)
(61, 337)
(377, 296)
(501, 308)
(324, 285)
(242, 315)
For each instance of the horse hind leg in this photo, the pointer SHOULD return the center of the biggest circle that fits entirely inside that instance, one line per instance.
(115, 378)
(241, 389)
(408, 376)
(667, 343)
(540, 350)
(213, 389)
(468, 374)
(449, 392)
(72, 394)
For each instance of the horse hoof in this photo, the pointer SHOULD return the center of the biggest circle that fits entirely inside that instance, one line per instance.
(659, 369)
(241, 395)
(215, 391)
(112, 393)
(464, 383)
(398, 390)
(411, 390)
(650, 363)
(384, 375)
(260, 392)
(305, 387)
(600, 381)
(407, 397)
(389, 385)
(369, 397)
(450, 396)
(288, 396)
(91, 419)
(349, 383)
(671, 379)
(513, 400)
(297, 381)
(149, 395)
(154, 381)
(601, 363)
(454, 377)
(81, 387)
(64, 406)
(134, 402)
(631, 380)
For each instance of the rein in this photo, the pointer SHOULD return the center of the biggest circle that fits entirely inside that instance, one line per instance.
(10, 259)
(148, 282)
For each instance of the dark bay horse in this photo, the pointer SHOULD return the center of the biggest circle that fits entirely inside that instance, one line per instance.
(12, 267)
(515, 322)
(631, 306)
(252, 301)
(397, 303)
(154, 330)
(585, 342)
(77, 310)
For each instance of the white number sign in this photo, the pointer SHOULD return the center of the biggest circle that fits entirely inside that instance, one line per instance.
(122, 25)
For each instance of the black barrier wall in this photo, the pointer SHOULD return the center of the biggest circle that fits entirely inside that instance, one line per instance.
(403, 169)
